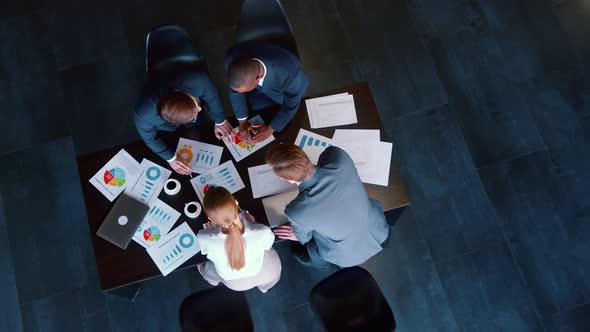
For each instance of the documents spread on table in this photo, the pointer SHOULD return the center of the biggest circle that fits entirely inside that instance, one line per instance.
(265, 182)
(224, 175)
(174, 249)
(274, 207)
(356, 135)
(312, 144)
(238, 147)
(119, 173)
(372, 158)
(330, 111)
(150, 183)
(199, 156)
(156, 224)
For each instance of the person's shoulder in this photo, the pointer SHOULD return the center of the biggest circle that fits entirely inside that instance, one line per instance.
(334, 155)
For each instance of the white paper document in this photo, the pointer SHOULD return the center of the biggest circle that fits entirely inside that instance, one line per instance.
(174, 249)
(199, 156)
(119, 173)
(330, 111)
(156, 224)
(239, 149)
(150, 183)
(265, 182)
(224, 175)
(355, 135)
(372, 160)
(274, 207)
(312, 144)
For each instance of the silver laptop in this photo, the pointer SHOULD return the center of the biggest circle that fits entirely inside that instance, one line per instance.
(123, 220)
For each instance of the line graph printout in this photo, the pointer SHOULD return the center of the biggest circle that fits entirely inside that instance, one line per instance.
(116, 175)
(150, 183)
(156, 224)
(224, 175)
(238, 147)
(199, 156)
(174, 249)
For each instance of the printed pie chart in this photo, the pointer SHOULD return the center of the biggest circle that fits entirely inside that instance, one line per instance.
(114, 177)
(151, 234)
(241, 143)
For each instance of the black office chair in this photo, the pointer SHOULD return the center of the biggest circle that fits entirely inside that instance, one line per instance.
(350, 300)
(169, 48)
(216, 309)
(265, 20)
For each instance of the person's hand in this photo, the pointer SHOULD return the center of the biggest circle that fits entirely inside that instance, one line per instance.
(285, 232)
(180, 167)
(262, 132)
(245, 128)
(224, 131)
(246, 215)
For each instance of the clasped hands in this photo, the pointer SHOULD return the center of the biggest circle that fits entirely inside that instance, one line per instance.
(254, 133)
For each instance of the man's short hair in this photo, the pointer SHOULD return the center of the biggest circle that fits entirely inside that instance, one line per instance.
(289, 162)
(241, 71)
(176, 107)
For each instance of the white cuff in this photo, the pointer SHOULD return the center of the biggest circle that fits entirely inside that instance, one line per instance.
(171, 160)
(219, 124)
(242, 119)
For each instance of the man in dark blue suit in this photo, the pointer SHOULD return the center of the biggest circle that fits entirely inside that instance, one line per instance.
(169, 101)
(263, 74)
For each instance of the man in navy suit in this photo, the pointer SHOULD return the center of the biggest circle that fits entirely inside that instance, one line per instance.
(263, 74)
(169, 101)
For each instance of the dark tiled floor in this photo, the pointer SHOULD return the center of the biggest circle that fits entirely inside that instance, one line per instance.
(486, 102)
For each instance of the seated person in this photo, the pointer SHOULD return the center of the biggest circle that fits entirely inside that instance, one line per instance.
(167, 102)
(239, 251)
(332, 215)
(264, 74)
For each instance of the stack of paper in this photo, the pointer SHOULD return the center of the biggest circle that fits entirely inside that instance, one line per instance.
(330, 111)
(372, 158)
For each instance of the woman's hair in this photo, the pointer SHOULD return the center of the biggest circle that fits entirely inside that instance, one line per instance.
(222, 209)
(176, 107)
(289, 162)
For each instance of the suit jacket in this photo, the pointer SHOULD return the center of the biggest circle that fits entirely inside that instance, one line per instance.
(284, 83)
(147, 118)
(333, 208)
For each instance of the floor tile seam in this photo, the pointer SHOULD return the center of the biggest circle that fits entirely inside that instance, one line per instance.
(513, 158)
(293, 307)
(29, 146)
(520, 271)
(558, 312)
(433, 265)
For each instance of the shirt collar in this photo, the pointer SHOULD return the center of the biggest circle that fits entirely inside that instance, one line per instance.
(264, 75)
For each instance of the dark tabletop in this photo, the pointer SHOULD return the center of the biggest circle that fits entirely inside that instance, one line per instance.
(119, 267)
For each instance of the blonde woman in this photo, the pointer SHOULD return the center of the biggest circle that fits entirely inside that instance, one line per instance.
(239, 251)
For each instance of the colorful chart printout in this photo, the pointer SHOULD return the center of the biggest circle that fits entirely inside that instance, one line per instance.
(116, 175)
(239, 149)
(224, 175)
(174, 249)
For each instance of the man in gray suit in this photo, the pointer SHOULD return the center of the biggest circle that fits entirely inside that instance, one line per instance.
(332, 216)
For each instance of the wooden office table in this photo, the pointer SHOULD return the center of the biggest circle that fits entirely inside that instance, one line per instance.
(119, 268)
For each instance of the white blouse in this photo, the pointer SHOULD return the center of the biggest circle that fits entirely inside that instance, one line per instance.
(257, 239)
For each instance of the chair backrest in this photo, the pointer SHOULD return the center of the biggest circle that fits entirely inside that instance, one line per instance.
(215, 309)
(350, 300)
(169, 48)
(265, 20)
